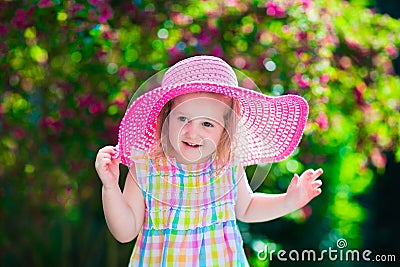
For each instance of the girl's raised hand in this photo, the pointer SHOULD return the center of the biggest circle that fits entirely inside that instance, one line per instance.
(303, 189)
(106, 167)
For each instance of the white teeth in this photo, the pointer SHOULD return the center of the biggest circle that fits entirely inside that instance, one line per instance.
(191, 144)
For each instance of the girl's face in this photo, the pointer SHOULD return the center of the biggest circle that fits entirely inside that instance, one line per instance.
(196, 123)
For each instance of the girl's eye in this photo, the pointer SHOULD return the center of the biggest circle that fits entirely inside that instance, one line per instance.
(207, 124)
(183, 119)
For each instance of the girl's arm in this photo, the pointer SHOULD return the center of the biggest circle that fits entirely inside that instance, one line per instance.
(260, 207)
(124, 212)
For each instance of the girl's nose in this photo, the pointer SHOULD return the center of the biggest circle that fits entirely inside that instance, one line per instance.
(191, 129)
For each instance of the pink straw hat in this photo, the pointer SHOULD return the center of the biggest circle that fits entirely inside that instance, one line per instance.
(270, 128)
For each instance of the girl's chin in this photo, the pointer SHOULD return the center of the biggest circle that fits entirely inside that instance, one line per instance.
(191, 159)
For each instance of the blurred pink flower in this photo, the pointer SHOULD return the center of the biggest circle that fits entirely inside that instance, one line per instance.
(301, 80)
(322, 121)
(96, 108)
(214, 31)
(274, 10)
(175, 53)
(45, 3)
(358, 92)
(306, 3)
(232, 3)
(324, 78)
(92, 15)
(122, 71)
(112, 130)
(67, 113)
(299, 52)
(121, 102)
(100, 55)
(307, 211)
(3, 30)
(301, 35)
(352, 43)
(76, 8)
(330, 39)
(19, 133)
(345, 62)
(392, 51)
(217, 51)
(85, 101)
(68, 190)
(181, 19)
(106, 13)
(95, 2)
(377, 158)
(204, 38)
(110, 35)
(22, 18)
(172, 51)
(239, 62)
(52, 124)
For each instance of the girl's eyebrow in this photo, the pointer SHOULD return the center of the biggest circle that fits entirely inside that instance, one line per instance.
(180, 113)
(214, 120)
(190, 117)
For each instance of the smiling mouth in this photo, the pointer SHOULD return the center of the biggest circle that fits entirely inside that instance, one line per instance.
(191, 145)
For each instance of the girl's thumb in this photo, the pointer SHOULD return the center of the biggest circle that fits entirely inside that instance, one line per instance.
(295, 178)
(294, 182)
(117, 160)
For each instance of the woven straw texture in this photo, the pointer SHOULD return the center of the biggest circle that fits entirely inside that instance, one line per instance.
(269, 128)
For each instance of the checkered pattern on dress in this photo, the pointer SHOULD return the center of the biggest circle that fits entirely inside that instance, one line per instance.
(190, 218)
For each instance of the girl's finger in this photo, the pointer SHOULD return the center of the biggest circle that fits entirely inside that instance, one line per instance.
(317, 192)
(106, 161)
(295, 179)
(108, 152)
(307, 175)
(316, 184)
(104, 154)
(315, 174)
(318, 173)
(294, 182)
(108, 149)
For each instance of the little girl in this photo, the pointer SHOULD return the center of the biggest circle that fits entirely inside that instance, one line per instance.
(186, 144)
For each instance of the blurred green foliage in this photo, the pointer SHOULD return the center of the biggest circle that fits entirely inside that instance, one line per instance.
(68, 69)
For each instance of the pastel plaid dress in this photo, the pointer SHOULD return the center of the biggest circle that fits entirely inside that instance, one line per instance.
(189, 217)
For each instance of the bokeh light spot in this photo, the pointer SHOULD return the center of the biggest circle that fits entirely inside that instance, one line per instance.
(76, 57)
(131, 55)
(292, 166)
(269, 65)
(162, 33)
(62, 16)
(112, 110)
(112, 68)
(277, 89)
(30, 33)
(38, 54)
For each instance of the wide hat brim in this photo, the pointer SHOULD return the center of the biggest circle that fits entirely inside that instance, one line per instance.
(270, 128)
